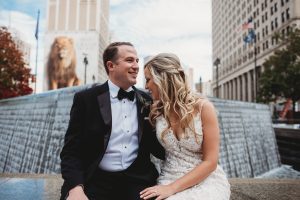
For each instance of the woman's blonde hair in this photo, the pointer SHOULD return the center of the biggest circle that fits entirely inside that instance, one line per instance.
(174, 91)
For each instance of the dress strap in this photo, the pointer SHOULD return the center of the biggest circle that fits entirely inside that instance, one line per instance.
(202, 102)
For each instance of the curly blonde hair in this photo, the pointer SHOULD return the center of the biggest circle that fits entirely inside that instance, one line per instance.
(174, 91)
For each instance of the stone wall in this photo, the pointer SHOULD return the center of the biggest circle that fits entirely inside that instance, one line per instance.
(32, 129)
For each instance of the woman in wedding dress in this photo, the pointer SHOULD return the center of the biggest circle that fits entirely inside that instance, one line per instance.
(187, 127)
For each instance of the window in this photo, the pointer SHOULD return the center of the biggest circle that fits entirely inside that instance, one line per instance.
(282, 3)
(267, 44)
(287, 14)
(266, 16)
(282, 32)
(272, 11)
(272, 25)
(266, 30)
(263, 32)
(262, 18)
(276, 23)
(288, 30)
(275, 7)
(282, 17)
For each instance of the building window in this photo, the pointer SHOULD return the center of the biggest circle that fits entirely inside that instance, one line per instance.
(276, 23)
(266, 16)
(282, 3)
(275, 7)
(282, 32)
(272, 11)
(288, 14)
(273, 41)
(262, 18)
(286, 0)
(266, 3)
(262, 7)
(272, 25)
(288, 29)
(282, 17)
(267, 30)
(267, 44)
(263, 46)
(263, 32)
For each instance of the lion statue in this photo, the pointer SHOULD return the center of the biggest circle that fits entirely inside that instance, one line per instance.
(61, 66)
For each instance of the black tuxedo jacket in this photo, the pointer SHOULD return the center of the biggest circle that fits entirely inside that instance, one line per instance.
(88, 134)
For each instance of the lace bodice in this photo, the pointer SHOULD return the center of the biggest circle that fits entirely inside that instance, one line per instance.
(181, 155)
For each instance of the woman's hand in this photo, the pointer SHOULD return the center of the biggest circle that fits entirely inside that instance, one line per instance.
(158, 191)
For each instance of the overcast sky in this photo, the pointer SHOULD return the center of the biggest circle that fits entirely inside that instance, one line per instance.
(182, 27)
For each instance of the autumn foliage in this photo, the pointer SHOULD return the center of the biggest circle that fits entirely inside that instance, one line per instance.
(14, 75)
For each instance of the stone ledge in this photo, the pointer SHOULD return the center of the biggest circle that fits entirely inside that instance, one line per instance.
(47, 187)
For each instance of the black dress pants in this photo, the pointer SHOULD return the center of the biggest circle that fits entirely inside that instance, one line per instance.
(114, 186)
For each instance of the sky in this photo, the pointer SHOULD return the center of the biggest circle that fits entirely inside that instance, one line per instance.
(182, 27)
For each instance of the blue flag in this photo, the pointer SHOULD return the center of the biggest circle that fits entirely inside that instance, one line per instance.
(250, 37)
(37, 26)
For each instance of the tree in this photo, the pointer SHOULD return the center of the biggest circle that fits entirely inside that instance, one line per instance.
(281, 76)
(14, 75)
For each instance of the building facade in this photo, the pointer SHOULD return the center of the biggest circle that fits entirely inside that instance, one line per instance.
(84, 23)
(238, 65)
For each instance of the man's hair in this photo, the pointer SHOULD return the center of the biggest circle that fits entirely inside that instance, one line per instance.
(111, 52)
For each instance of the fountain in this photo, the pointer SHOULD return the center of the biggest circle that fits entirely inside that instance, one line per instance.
(32, 130)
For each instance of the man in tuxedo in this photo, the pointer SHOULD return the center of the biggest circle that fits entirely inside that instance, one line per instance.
(108, 142)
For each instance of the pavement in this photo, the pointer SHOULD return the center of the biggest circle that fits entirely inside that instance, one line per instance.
(47, 187)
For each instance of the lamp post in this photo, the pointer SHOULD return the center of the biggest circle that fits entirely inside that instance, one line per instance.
(216, 63)
(86, 62)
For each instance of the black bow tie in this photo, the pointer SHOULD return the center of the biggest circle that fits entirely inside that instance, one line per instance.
(123, 94)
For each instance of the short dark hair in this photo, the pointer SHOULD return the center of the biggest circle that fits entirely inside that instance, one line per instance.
(111, 52)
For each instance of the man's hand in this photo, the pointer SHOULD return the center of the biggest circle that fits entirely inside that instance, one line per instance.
(77, 193)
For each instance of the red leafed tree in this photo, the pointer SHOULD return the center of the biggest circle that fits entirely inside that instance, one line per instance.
(14, 75)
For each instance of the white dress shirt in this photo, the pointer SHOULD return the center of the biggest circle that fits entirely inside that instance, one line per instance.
(122, 148)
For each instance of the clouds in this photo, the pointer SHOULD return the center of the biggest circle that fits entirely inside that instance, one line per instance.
(182, 27)
(179, 26)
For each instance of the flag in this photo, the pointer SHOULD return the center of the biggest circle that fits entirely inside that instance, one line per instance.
(37, 26)
(247, 25)
(250, 37)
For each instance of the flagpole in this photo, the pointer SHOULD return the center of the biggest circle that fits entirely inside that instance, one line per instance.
(255, 75)
(37, 49)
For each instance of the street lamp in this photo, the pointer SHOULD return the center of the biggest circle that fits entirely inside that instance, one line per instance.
(216, 63)
(86, 62)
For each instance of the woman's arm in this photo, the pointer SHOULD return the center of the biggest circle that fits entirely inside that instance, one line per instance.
(210, 147)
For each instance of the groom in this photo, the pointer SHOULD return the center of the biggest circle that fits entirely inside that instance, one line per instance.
(109, 140)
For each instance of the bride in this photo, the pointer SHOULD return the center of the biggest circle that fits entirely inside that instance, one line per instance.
(187, 127)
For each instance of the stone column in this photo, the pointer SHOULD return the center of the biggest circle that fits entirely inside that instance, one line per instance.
(250, 85)
(238, 88)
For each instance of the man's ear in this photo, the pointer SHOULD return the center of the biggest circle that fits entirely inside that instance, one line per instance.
(110, 65)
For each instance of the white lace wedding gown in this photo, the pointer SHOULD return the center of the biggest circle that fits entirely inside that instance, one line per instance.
(181, 157)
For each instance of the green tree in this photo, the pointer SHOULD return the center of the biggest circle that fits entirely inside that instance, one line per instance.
(14, 75)
(281, 76)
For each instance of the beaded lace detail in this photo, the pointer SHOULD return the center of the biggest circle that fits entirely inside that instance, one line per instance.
(184, 154)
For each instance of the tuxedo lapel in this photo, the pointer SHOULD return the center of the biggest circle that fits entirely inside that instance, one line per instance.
(105, 109)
